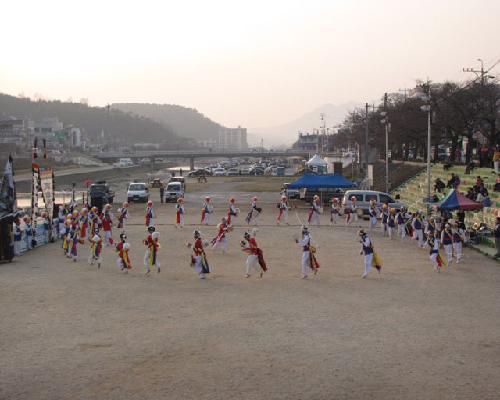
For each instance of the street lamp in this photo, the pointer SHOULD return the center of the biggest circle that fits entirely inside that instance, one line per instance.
(425, 96)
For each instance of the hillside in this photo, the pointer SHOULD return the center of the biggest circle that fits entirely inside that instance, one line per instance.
(184, 122)
(94, 120)
(287, 133)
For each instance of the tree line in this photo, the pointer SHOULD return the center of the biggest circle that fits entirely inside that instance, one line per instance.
(461, 114)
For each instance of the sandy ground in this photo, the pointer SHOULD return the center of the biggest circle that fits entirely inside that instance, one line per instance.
(70, 331)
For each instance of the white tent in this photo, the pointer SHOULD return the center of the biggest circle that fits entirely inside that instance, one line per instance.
(316, 161)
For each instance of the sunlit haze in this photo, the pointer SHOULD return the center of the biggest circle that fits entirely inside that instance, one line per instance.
(254, 64)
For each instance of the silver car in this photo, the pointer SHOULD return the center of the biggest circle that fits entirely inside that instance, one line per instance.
(363, 198)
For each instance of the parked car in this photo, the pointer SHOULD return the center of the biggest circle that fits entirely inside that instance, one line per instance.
(244, 171)
(179, 179)
(145, 161)
(156, 183)
(363, 198)
(137, 191)
(232, 172)
(200, 172)
(124, 163)
(174, 191)
(256, 171)
(100, 194)
(219, 172)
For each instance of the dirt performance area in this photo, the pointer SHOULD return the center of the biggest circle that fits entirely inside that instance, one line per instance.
(70, 331)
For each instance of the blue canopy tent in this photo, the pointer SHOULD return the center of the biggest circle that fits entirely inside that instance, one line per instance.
(328, 181)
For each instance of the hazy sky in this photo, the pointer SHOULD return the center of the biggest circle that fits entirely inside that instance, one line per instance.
(250, 63)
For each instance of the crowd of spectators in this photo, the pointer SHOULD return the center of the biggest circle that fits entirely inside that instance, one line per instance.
(478, 192)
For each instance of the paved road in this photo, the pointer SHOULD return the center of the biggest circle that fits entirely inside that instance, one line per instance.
(26, 176)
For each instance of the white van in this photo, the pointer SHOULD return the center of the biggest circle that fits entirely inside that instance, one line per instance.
(137, 191)
(174, 191)
(363, 198)
(124, 163)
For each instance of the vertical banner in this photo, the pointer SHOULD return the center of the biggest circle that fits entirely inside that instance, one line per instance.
(34, 194)
(47, 188)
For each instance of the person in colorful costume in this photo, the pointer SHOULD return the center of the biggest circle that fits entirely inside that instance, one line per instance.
(282, 207)
(180, 211)
(391, 223)
(334, 210)
(107, 224)
(123, 215)
(372, 213)
(447, 242)
(199, 259)
(206, 210)
(314, 214)
(83, 223)
(122, 248)
(152, 243)
(253, 214)
(150, 214)
(95, 249)
(94, 221)
(384, 217)
(232, 211)
(309, 262)
(220, 239)
(458, 240)
(434, 256)
(401, 222)
(370, 257)
(417, 226)
(28, 229)
(255, 260)
(73, 241)
(18, 237)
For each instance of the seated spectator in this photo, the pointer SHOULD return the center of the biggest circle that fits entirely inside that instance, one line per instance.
(469, 168)
(497, 184)
(483, 191)
(439, 185)
(471, 194)
(479, 181)
(451, 181)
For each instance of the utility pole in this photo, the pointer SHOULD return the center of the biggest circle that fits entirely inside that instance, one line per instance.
(323, 129)
(386, 145)
(405, 91)
(482, 73)
(385, 121)
(426, 97)
(366, 138)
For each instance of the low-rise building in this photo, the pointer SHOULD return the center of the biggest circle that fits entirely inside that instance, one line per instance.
(15, 133)
(314, 142)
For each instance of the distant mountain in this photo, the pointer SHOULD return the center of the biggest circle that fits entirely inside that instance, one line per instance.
(286, 134)
(184, 122)
(93, 120)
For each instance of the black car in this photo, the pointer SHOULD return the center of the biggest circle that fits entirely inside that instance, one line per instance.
(256, 171)
(200, 172)
(100, 194)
